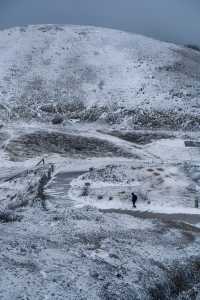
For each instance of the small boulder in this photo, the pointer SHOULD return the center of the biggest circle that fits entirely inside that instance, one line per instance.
(58, 119)
(48, 108)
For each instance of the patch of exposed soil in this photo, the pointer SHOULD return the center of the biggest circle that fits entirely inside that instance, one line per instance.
(42, 142)
(138, 137)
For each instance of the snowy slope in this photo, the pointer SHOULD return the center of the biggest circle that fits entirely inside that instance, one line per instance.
(90, 66)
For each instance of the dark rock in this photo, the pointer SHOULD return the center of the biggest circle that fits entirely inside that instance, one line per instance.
(7, 217)
(57, 120)
(48, 108)
(85, 191)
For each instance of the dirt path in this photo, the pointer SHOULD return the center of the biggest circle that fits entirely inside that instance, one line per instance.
(167, 218)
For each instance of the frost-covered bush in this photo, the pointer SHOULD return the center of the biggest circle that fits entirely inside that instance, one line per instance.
(85, 191)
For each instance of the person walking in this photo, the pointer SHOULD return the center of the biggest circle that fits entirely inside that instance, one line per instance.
(134, 199)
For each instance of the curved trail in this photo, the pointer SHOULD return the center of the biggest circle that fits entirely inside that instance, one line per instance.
(57, 195)
(170, 219)
(190, 218)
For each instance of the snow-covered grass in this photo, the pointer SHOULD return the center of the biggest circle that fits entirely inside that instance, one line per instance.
(118, 76)
(74, 239)
(159, 175)
(86, 242)
(161, 188)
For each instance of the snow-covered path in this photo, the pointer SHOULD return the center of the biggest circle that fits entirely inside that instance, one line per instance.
(166, 218)
(57, 190)
(58, 199)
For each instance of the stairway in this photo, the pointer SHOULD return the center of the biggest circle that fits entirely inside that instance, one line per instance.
(56, 192)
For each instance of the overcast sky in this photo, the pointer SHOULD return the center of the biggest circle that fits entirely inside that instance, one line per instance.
(171, 20)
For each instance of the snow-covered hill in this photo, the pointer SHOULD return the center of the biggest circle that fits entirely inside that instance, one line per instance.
(94, 73)
(80, 238)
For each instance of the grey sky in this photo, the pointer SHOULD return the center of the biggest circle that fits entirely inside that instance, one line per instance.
(171, 20)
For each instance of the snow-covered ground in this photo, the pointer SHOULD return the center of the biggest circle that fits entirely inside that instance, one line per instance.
(73, 250)
(93, 247)
(163, 173)
(81, 239)
(165, 188)
(95, 73)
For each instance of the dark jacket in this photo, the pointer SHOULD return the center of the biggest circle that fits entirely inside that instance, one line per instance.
(134, 198)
